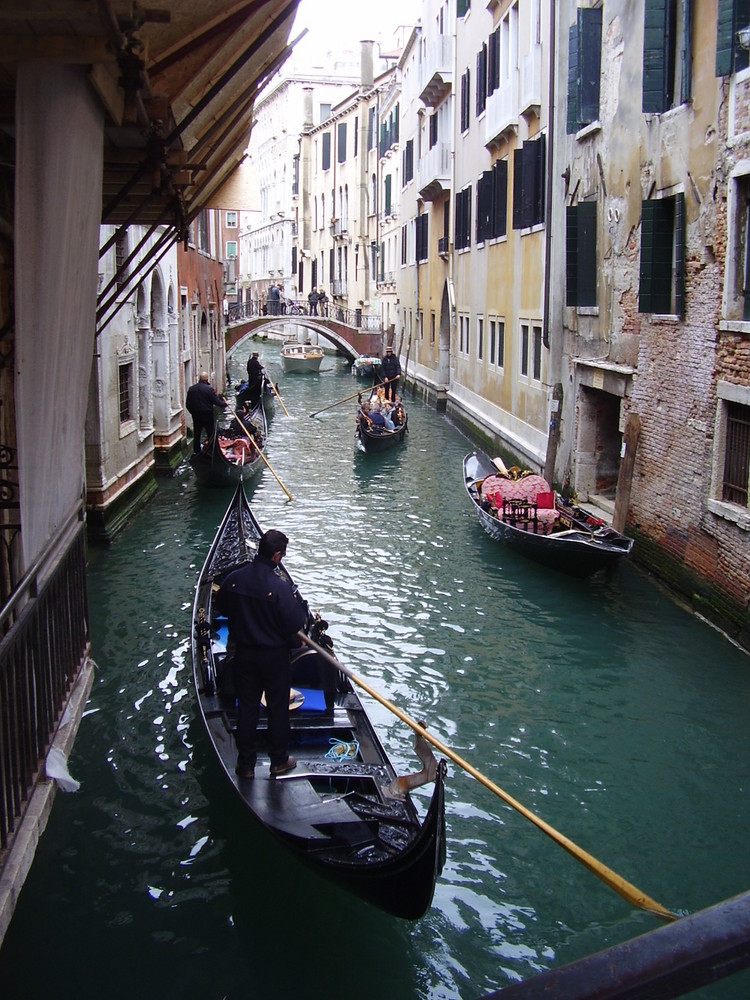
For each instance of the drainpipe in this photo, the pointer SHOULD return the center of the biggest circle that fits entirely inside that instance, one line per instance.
(556, 402)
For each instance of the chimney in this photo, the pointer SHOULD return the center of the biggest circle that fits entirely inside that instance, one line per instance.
(307, 108)
(367, 77)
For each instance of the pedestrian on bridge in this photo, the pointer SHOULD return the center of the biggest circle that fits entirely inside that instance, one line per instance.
(313, 298)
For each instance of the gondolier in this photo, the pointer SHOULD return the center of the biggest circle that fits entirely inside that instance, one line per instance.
(390, 372)
(200, 402)
(264, 618)
(255, 373)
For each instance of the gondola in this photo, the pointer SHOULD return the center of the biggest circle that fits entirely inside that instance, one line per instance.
(373, 438)
(519, 509)
(342, 809)
(269, 394)
(228, 456)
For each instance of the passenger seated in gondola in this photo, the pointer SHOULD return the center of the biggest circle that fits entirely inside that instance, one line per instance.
(397, 413)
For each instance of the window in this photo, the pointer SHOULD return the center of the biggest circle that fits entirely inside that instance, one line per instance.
(662, 283)
(528, 183)
(295, 174)
(423, 250)
(480, 338)
(126, 380)
(326, 151)
(492, 202)
(481, 86)
(737, 289)
(731, 463)
(463, 334)
(584, 67)
(730, 56)
(407, 170)
(433, 129)
(463, 7)
(372, 128)
(531, 351)
(121, 256)
(325, 112)
(580, 254)
(231, 249)
(465, 100)
(231, 220)
(341, 143)
(497, 343)
(404, 244)
(666, 54)
(356, 137)
(463, 219)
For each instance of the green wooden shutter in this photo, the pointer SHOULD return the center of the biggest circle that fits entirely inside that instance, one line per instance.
(341, 143)
(572, 79)
(462, 7)
(326, 151)
(733, 15)
(657, 253)
(500, 198)
(587, 262)
(679, 254)
(590, 28)
(655, 59)
(571, 255)
(388, 195)
(538, 150)
(518, 165)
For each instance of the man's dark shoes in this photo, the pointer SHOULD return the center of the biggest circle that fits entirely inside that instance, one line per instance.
(288, 765)
(245, 772)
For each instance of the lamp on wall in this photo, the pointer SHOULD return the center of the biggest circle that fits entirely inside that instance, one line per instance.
(743, 37)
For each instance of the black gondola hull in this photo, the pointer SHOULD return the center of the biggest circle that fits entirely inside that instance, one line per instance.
(339, 816)
(372, 441)
(578, 552)
(213, 469)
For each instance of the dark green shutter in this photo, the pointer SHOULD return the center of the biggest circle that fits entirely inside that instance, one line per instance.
(587, 262)
(326, 151)
(571, 255)
(572, 79)
(590, 68)
(341, 153)
(679, 254)
(657, 246)
(655, 61)
(500, 198)
(388, 195)
(517, 188)
(539, 148)
(733, 15)
(462, 7)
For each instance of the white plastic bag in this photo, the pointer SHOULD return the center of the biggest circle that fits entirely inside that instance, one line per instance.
(57, 767)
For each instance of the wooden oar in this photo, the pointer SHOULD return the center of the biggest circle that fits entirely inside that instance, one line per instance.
(254, 443)
(347, 398)
(612, 879)
(278, 396)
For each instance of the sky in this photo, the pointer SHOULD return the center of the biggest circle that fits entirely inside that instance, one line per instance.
(345, 23)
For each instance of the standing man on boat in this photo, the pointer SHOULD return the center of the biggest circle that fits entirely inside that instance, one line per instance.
(255, 373)
(390, 372)
(264, 618)
(200, 402)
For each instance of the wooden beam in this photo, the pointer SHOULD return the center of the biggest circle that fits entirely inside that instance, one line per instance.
(104, 81)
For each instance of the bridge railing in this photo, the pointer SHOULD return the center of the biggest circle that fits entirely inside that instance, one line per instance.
(301, 307)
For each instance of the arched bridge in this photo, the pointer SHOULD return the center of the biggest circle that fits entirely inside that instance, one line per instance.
(350, 340)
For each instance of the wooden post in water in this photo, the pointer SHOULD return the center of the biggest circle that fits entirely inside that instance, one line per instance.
(625, 477)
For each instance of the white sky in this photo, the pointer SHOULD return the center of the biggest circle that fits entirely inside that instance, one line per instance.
(346, 23)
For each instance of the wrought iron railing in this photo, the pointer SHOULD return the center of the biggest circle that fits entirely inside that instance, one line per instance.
(45, 641)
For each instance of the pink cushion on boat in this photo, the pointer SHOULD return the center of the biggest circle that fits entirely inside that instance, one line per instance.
(498, 488)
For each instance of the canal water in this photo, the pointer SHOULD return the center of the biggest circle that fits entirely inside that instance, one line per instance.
(600, 705)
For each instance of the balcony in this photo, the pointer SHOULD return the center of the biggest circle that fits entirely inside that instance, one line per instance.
(434, 172)
(339, 227)
(531, 82)
(502, 113)
(436, 72)
(340, 288)
(443, 247)
(389, 212)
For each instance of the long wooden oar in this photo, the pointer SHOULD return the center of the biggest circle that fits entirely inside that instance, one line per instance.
(278, 396)
(612, 879)
(254, 443)
(347, 398)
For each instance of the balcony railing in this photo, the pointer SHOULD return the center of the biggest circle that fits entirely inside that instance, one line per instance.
(436, 72)
(45, 643)
(502, 109)
(434, 171)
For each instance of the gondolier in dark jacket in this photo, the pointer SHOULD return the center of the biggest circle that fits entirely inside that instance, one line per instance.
(390, 371)
(264, 618)
(200, 402)
(255, 374)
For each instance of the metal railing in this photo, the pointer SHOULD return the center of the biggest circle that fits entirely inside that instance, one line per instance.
(45, 641)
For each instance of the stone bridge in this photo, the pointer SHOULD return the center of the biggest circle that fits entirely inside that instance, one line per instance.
(350, 341)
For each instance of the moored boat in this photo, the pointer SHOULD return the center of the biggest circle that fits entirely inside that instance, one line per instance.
(373, 434)
(230, 455)
(365, 367)
(520, 509)
(343, 809)
(296, 357)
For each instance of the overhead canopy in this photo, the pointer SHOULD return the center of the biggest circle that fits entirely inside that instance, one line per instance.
(178, 83)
